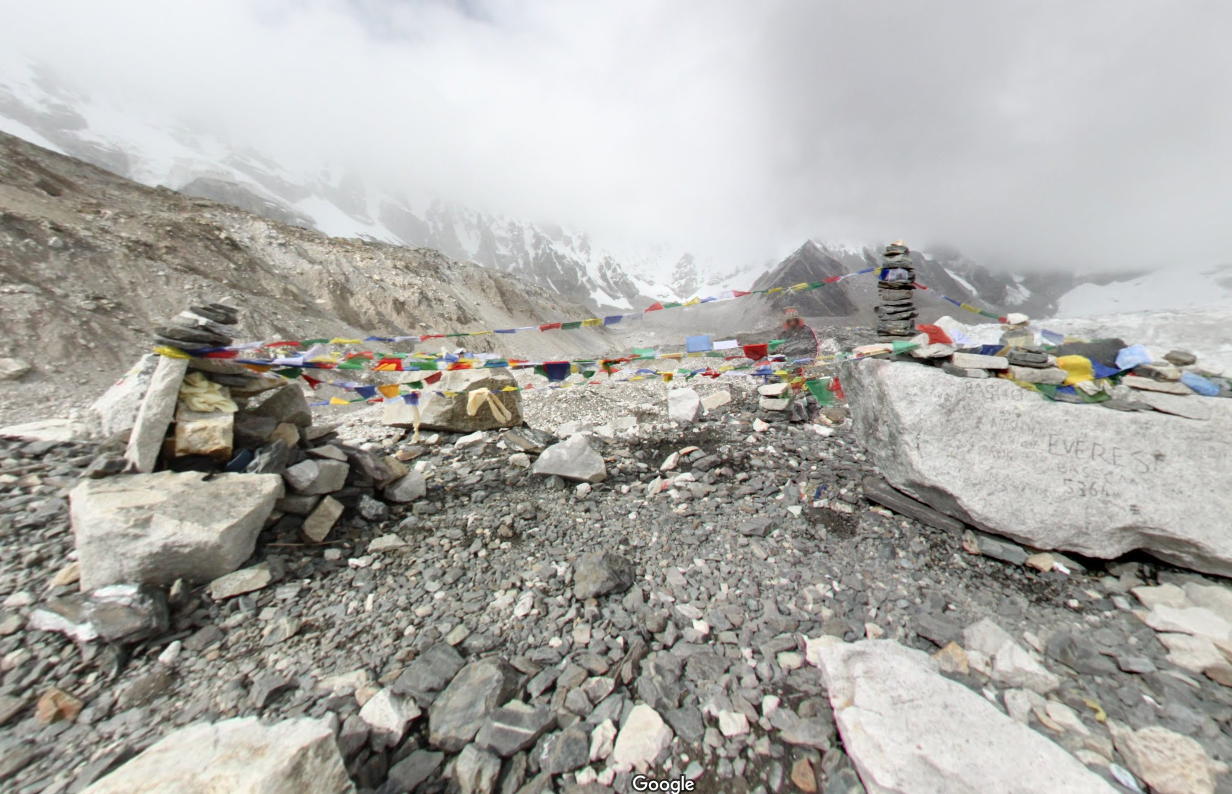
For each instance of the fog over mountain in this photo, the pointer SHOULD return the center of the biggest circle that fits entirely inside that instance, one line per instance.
(1050, 134)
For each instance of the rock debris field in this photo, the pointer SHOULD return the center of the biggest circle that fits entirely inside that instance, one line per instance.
(600, 593)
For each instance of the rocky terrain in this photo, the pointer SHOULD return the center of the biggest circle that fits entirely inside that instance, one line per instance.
(514, 631)
(90, 261)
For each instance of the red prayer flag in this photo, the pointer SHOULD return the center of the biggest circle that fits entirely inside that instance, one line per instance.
(756, 352)
(936, 334)
(654, 307)
(831, 279)
(837, 388)
(433, 378)
(550, 327)
(738, 293)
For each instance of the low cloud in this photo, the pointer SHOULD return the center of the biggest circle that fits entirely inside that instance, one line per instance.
(1086, 135)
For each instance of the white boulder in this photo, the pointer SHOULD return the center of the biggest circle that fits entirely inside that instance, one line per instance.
(572, 459)
(909, 730)
(239, 756)
(1085, 479)
(683, 405)
(156, 528)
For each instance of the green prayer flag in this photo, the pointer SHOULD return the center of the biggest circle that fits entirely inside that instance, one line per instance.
(354, 363)
(541, 371)
(644, 352)
(671, 305)
(820, 389)
(902, 346)
(571, 326)
(775, 343)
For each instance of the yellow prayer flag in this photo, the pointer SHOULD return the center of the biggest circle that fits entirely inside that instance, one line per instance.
(800, 286)
(510, 388)
(390, 390)
(346, 341)
(592, 322)
(338, 401)
(171, 352)
(1078, 367)
(693, 302)
(774, 290)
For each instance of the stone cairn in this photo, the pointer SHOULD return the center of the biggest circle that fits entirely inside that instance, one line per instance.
(896, 314)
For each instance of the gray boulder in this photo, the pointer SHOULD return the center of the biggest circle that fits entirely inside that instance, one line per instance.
(572, 459)
(461, 710)
(287, 404)
(1049, 475)
(241, 756)
(437, 412)
(156, 528)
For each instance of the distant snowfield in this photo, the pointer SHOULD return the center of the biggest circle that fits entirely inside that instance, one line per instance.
(1170, 289)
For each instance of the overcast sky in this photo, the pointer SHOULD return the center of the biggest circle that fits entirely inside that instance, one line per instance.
(1045, 133)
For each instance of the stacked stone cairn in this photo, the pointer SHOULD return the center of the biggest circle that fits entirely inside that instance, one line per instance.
(896, 314)
(206, 455)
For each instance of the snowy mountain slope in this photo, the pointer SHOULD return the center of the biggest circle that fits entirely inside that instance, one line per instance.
(1178, 288)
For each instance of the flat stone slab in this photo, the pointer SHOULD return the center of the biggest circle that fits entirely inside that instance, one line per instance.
(239, 755)
(909, 730)
(156, 528)
(1050, 475)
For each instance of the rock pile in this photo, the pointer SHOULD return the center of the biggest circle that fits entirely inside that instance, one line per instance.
(1104, 371)
(896, 314)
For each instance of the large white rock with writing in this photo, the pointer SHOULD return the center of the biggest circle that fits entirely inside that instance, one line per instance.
(156, 528)
(1051, 475)
(910, 730)
(239, 756)
(437, 412)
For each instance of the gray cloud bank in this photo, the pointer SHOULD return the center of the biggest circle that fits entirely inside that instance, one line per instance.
(1087, 135)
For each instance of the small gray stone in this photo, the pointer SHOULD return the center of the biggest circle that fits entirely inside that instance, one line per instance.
(476, 771)
(601, 573)
(566, 751)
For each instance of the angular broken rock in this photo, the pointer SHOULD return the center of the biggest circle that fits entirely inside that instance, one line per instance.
(115, 613)
(514, 727)
(572, 459)
(156, 528)
(429, 673)
(460, 711)
(287, 404)
(318, 524)
(908, 729)
(243, 581)
(601, 573)
(208, 434)
(238, 755)
(640, 741)
(1110, 482)
(117, 409)
(1169, 762)
(407, 488)
(879, 491)
(390, 714)
(314, 477)
(716, 399)
(683, 405)
(155, 414)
